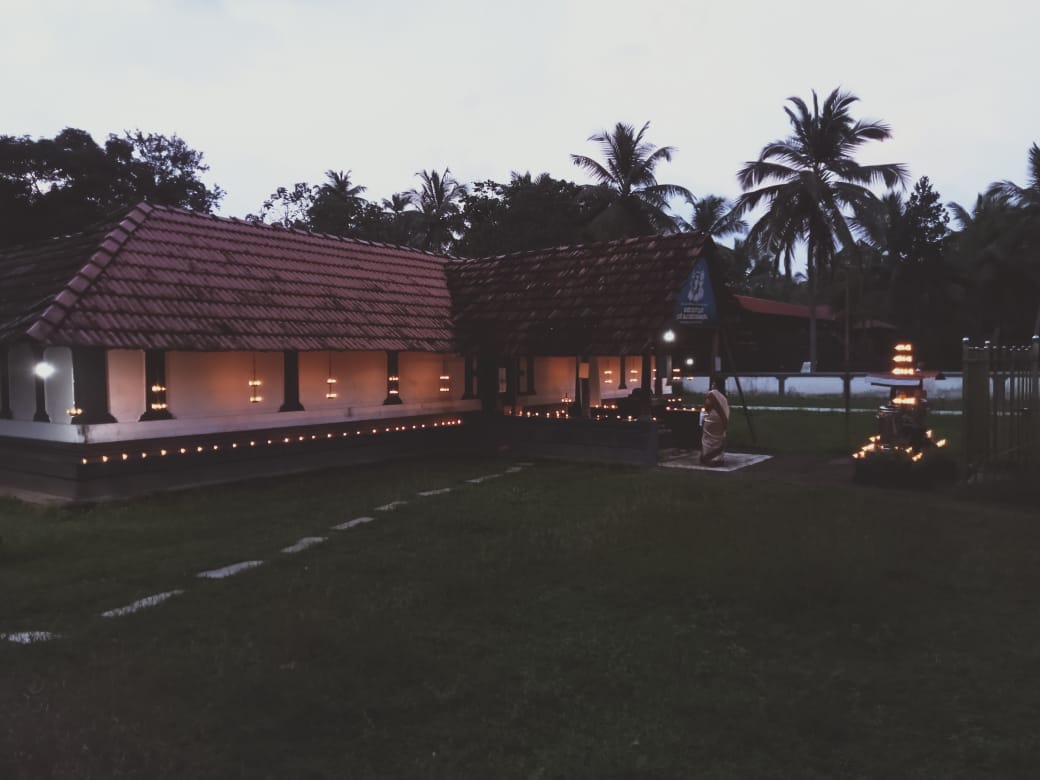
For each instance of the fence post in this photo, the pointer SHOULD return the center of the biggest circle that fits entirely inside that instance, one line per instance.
(976, 415)
(1033, 404)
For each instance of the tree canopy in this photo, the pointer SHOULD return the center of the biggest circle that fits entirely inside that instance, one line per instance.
(527, 213)
(61, 185)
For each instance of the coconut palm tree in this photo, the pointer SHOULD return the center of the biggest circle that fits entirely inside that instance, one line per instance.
(813, 191)
(714, 215)
(995, 253)
(337, 204)
(438, 202)
(340, 186)
(638, 204)
(1027, 197)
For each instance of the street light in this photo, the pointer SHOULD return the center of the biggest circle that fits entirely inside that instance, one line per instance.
(669, 336)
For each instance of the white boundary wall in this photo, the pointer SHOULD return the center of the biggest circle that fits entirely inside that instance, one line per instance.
(817, 385)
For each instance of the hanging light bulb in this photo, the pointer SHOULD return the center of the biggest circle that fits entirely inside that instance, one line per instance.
(158, 397)
(330, 382)
(44, 370)
(254, 386)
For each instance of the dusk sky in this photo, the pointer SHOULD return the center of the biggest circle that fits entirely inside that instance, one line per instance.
(278, 92)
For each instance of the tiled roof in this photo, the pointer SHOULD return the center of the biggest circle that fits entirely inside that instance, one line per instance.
(170, 279)
(31, 276)
(782, 309)
(596, 299)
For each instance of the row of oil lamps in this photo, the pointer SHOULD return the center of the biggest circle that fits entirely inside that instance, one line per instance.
(199, 449)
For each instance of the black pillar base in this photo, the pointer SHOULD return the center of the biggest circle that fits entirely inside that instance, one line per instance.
(90, 377)
(93, 419)
(156, 414)
(393, 380)
(155, 386)
(291, 372)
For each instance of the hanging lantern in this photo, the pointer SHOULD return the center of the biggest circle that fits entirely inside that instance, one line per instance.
(330, 382)
(254, 386)
(158, 402)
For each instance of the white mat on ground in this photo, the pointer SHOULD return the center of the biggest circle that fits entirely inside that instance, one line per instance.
(731, 461)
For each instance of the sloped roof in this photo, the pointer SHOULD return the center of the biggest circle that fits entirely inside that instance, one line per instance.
(165, 278)
(595, 299)
(31, 276)
(782, 309)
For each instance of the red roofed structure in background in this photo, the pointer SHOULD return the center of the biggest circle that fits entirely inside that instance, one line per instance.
(170, 346)
(781, 308)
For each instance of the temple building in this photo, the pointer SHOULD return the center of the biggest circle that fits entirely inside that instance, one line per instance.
(175, 348)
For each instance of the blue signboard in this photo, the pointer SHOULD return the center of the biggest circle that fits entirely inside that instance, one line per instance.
(696, 304)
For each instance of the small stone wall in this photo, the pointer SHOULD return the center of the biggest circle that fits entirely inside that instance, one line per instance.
(606, 441)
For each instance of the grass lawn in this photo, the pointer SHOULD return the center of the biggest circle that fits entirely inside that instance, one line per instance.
(564, 621)
(806, 433)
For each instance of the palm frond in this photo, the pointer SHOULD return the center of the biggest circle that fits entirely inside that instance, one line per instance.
(757, 172)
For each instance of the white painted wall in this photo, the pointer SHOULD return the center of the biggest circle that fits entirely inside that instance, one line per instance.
(808, 385)
(126, 390)
(553, 376)
(609, 383)
(360, 380)
(420, 374)
(211, 384)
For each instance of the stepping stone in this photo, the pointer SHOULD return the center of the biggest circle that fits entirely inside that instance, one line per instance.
(514, 469)
(228, 571)
(438, 492)
(392, 505)
(147, 601)
(351, 523)
(303, 544)
(29, 637)
(478, 480)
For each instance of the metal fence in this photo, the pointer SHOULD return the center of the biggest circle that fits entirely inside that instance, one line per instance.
(1001, 412)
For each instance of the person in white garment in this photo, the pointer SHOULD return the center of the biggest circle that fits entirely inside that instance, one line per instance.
(713, 431)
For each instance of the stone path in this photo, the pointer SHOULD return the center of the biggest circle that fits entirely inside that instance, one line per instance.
(223, 572)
